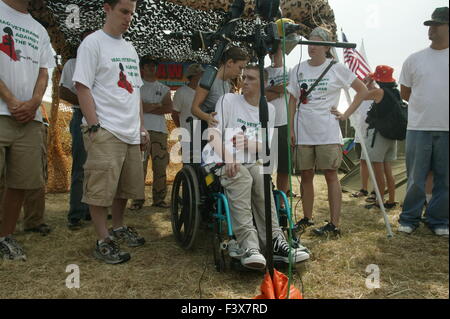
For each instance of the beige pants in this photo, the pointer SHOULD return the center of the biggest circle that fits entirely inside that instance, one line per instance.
(34, 201)
(160, 159)
(113, 170)
(245, 193)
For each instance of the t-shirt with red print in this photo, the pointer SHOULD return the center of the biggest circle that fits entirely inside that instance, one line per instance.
(24, 50)
(109, 67)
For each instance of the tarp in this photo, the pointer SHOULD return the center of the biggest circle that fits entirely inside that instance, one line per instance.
(152, 18)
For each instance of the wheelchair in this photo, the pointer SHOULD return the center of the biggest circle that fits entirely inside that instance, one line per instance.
(198, 202)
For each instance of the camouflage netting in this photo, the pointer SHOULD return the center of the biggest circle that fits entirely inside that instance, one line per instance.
(146, 33)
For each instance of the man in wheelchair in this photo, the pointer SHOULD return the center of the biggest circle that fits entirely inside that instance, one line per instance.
(235, 141)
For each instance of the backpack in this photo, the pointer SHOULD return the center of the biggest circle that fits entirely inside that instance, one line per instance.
(391, 125)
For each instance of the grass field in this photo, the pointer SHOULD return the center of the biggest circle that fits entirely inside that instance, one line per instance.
(415, 266)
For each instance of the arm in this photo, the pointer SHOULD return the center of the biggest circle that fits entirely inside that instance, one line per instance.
(6, 95)
(200, 97)
(361, 93)
(27, 111)
(87, 103)
(67, 95)
(405, 93)
(375, 95)
(292, 110)
(176, 118)
(165, 107)
(272, 95)
(144, 134)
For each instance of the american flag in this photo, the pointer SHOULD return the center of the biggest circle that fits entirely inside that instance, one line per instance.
(356, 61)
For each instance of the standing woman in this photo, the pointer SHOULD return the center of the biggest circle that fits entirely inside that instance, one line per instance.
(315, 131)
(382, 151)
(233, 63)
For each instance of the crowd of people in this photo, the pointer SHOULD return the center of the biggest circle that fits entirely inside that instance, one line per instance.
(119, 122)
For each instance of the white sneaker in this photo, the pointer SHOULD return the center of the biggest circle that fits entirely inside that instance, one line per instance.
(253, 259)
(405, 229)
(234, 250)
(10, 249)
(441, 232)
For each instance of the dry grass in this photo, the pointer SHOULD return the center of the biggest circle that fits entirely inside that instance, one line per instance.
(415, 266)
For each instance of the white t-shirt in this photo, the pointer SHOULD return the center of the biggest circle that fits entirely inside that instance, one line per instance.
(67, 75)
(154, 92)
(233, 114)
(110, 68)
(276, 78)
(182, 103)
(315, 124)
(24, 50)
(426, 73)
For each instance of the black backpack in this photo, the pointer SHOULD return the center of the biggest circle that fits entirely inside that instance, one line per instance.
(391, 125)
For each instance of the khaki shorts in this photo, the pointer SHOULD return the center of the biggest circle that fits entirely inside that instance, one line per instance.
(21, 154)
(113, 170)
(323, 157)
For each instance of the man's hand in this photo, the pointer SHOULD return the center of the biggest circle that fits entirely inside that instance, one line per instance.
(26, 111)
(232, 169)
(212, 122)
(145, 139)
(14, 104)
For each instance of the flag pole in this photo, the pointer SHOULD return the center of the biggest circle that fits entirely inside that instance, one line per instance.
(369, 163)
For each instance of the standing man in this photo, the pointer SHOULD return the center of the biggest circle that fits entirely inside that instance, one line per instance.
(157, 102)
(23, 81)
(78, 210)
(424, 83)
(182, 103)
(108, 86)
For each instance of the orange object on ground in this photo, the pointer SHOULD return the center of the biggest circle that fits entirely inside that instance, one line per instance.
(277, 287)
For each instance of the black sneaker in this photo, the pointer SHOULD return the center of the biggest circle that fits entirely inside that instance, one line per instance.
(327, 230)
(109, 252)
(10, 249)
(129, 236)
(281, 251)
(301, 225)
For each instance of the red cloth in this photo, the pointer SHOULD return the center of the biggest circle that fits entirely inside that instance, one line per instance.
(277, 287)
(123, 83)
(7, 46)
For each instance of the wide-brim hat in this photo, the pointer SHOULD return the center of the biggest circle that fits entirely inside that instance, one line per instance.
(440, 16)
(194, 69)
(383, 74)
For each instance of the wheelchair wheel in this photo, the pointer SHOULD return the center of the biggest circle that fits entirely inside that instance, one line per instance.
(185, 214)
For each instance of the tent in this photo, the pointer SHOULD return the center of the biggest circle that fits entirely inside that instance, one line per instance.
(351, 182)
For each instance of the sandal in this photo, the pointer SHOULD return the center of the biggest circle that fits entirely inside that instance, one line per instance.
(388, 205)
(360, 193)
(372, 198)
(42, 229)
(161, 205)
(136, 206)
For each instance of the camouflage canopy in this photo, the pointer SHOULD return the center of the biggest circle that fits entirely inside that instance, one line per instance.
(153, 17)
